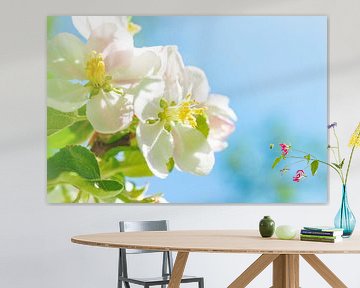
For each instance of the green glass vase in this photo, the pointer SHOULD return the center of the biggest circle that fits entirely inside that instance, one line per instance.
(266, 227)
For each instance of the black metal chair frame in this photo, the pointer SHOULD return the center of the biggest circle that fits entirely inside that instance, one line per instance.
(167, 262)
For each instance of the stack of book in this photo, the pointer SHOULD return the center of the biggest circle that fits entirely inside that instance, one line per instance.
(321, 234)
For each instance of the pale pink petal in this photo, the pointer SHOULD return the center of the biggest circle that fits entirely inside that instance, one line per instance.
(110, 112)
(87, 24)
(118, 55)
(219, 105)
(109, 34)
(145, 63)
(220, 129)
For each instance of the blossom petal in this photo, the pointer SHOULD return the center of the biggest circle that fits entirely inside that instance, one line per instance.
(157, 146)
(144, 63)
(220, 130)
(87, 24)
(192, 152)
(109, 34)
(172, 64)
(110, 112)
(66, 57)
(219, 105)
(119, 53)
(196, 83)
(66, 96)
(171, 71)
(147, 102)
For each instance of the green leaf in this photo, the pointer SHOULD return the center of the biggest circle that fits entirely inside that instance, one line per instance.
(202, 125)
(276, 162)
(134, 165)
(109, 185)
(57, 120)
(314, 166)
(115, 151)
(336, 165)
(77, 133)
(342, 163)
(308, 158)
(76, 159)
(102, 189)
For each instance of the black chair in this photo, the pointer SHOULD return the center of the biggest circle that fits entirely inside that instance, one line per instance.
(167, 265)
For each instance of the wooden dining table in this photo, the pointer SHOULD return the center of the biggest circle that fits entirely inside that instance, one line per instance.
(283, 254)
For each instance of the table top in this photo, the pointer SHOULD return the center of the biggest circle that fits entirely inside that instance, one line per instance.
(216, 241)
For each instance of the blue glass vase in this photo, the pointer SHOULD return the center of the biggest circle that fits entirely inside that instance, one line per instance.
(345, 219)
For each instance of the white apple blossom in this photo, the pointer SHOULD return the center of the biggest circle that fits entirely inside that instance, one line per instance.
(167, 132)
(95, 73)
(180, 123)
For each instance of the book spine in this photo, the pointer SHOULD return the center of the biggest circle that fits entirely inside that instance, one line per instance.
(317, 239)
(318, 236)
(319, 233)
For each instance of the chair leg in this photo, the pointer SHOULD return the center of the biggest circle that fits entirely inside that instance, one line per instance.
(201, 283)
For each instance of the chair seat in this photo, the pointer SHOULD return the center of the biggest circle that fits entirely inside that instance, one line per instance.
(158, 280)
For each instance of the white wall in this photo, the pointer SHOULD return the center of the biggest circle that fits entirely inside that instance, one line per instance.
(35, 248)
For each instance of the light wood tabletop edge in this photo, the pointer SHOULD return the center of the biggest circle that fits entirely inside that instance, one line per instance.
(81, 239)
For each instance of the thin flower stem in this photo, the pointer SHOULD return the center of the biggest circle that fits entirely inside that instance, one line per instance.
(339, 154)
(291, 164)
(338, 145)
(297, 162)
(323, 162)
(348, 167)
(306, 153)
(333, 152)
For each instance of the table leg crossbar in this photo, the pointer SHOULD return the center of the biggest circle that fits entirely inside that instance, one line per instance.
(285, 271)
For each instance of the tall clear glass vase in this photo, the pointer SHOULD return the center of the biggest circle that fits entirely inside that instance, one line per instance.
(345, 219)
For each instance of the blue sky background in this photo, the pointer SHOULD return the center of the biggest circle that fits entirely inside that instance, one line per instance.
(274, 70)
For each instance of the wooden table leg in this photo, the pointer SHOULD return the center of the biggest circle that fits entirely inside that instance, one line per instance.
(324, 271)
(286, 271)
(178, 269)
(253, 270)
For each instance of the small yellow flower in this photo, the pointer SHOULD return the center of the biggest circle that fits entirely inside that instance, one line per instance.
(355, 138)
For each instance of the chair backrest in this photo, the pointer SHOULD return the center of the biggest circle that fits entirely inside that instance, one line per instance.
(137, 226)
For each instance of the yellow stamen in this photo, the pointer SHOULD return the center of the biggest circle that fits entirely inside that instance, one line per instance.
(133, 28)
(184, 112)
(355, 138)
(187, 112)
(95, 69)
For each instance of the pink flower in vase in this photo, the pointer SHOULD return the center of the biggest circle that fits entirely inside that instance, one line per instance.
(284, 149)
(299, 175)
